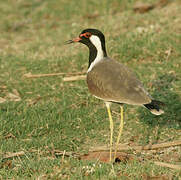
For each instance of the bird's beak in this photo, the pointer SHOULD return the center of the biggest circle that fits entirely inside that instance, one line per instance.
(73, 40)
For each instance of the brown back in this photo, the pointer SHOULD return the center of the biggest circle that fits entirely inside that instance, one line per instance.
(112, 81)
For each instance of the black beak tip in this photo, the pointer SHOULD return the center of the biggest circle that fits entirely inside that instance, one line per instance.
(68, 42)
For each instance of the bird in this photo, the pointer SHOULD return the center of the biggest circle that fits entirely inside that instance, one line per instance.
(113, 82)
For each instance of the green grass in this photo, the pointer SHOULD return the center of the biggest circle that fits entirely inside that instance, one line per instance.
(53, 114)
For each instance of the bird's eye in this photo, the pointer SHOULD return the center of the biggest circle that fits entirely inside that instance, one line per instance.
(86, 35)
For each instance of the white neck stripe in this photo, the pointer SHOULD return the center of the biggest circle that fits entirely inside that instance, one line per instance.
(97, 43)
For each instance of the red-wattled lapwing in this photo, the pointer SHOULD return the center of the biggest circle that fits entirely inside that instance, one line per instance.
(112, 81)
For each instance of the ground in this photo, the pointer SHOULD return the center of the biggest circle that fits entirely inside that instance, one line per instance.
(40, 116)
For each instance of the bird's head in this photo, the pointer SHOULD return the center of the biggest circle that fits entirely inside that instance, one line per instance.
(90, 37)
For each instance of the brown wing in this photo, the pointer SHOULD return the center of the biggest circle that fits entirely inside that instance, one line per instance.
(112, 81)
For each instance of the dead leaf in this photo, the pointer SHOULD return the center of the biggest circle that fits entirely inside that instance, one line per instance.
(104, 156)
(2, 100)
(3, 87)
(34, 101)
(13, 97)
(92, 16)
(143, 7)
(6, 164)
(16, 92)
(9, 136)
(162, 3)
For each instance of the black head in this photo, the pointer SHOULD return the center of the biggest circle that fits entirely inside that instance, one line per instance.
(88, 37)
(86, 34)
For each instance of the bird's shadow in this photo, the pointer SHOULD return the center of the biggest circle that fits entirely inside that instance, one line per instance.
(164, 91)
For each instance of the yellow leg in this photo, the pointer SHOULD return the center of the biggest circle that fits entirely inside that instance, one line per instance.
(120, 132)
(111, 128)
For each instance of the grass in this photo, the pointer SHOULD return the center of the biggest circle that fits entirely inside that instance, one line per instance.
(53, 114)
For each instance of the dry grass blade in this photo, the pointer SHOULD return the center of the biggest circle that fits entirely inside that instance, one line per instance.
(147, 147)
(172, 166)
(29, 75)
(74, 78)
(64, 153)
(54, 152)
(11, 155)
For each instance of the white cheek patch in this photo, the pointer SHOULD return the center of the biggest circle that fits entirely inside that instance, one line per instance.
(97, 43)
